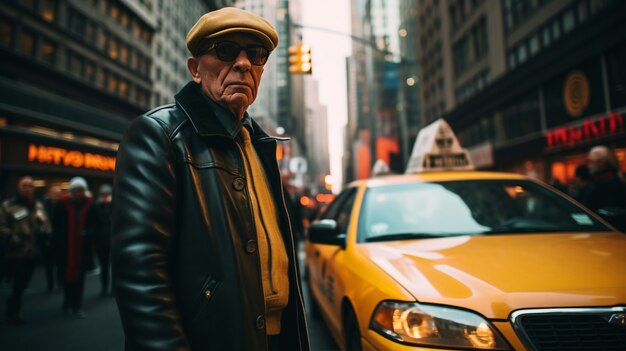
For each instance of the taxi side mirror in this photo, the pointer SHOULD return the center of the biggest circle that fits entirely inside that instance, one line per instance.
(326, 232)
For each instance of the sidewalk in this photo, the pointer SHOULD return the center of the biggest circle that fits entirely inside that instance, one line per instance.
(49, 329)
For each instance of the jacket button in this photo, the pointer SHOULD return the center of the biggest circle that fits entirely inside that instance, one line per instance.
(207, 294)
(251, 246)
(238, 184)
(260, 322)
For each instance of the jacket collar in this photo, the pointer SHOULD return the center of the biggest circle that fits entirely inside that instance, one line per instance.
(209, 118)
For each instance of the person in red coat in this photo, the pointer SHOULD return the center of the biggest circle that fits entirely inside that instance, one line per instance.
(72, 224)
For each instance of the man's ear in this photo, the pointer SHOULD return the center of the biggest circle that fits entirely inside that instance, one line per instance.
(192, 65)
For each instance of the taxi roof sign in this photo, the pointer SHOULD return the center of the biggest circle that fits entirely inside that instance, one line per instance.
(436, 149)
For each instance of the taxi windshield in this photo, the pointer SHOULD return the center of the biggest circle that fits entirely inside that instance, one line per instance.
(473, 207)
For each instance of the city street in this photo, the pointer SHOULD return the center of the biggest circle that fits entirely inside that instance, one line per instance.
(48, 329)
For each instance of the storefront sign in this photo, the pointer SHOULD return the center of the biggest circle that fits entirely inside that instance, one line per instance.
(590, 129)
(70, 158)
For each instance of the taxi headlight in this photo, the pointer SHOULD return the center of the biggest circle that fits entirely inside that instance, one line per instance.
(431, 325)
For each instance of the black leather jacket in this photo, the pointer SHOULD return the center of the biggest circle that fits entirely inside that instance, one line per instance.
(185, 262)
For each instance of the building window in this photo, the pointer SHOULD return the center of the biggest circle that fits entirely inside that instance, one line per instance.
(522, 53)
(479, 37)
(75, 64)
(461, 56)
(6, 33)
(124, 54)
(617, 77)
(533, 44)
(48, 51)
(569, 21)
(123, 87)
(89, 71)
(124, 20)
(137, 30)
(30, 4)
(521, 118)
(103, 40)
(135, 59)
(583, 11)
(102, 76)
(113, 49)
(556, 30)
(27, 43)
(545, 37)
(48, 10)
(511, 60)
(112, 83)
(76, 22)
(114, 12)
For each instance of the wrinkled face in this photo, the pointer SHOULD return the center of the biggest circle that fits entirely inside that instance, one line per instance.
(230, 84)
(26, 188)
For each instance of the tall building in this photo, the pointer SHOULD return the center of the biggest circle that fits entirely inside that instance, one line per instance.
(316, 137)
(173, 20)
(529, 85)
(74, 73)
(382, 86)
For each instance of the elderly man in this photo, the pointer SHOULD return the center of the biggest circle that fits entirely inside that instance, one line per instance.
(202, 249)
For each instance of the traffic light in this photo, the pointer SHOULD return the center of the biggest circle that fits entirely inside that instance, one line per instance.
(300, 59)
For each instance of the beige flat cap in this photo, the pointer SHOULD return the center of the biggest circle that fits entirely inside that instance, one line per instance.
(231, 20)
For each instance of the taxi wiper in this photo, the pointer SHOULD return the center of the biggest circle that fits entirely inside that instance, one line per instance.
(406, 236)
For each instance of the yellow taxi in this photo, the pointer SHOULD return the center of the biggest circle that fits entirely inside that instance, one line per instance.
(466, 260)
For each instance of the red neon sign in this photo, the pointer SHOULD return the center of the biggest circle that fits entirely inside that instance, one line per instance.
(589, 130)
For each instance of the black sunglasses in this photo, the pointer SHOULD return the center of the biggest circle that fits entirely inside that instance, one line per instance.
(228, 51)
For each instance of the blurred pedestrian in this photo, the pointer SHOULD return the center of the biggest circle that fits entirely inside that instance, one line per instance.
(72, 223)
(47, 249)
(607, 188)
(202, 250)
(607, 195)
(581, 184)
(22, 220)
(102, 234)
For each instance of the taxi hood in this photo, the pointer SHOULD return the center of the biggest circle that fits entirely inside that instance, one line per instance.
(496, 274)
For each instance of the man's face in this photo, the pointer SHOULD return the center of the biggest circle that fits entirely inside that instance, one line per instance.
(26, 188)
(230, 84)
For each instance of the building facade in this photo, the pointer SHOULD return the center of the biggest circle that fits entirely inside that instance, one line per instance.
(73, 73)
(382, 86)
(533, 84)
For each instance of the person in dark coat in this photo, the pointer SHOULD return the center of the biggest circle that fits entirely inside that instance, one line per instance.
(581, 184)
(47, 249)
(72, 224)
(607, 194)
(202, 249)
(22, 221)
(102, 234)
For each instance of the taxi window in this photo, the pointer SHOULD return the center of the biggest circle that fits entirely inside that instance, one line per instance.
(340, 209)
(468, 208)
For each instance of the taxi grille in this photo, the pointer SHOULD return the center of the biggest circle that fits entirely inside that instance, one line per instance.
(585, 332)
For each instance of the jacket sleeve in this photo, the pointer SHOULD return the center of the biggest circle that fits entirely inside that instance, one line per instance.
(143, 218)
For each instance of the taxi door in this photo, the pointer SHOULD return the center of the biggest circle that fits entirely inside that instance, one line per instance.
(324, 267)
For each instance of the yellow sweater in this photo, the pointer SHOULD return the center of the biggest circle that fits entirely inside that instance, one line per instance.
(273, 256)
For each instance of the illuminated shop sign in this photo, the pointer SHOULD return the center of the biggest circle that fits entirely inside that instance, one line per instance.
(590, 129)
(70, 158)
